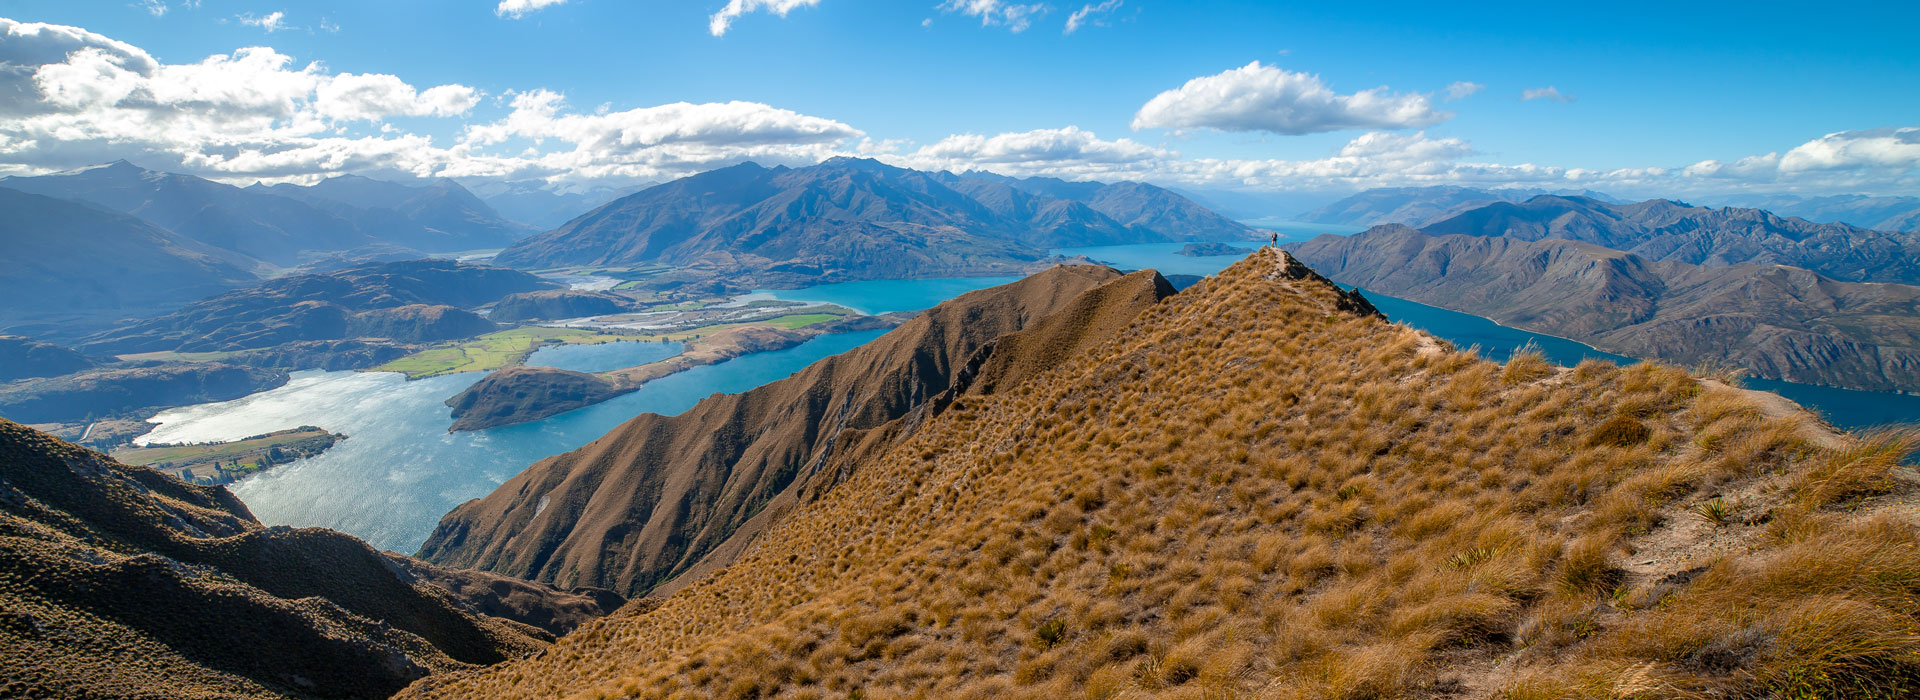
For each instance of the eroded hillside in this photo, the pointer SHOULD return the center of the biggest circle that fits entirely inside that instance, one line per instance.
(1261, 489)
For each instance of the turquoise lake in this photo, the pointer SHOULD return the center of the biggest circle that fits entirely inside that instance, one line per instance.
(399, 469)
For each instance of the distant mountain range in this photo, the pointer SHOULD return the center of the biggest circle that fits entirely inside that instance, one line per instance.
(1418, 206)
(543, 205)
(1660, 229)
(1662, 280)
(439, 216)
(860, 219)
(69, 266)
(286, 225)
(1880, 213)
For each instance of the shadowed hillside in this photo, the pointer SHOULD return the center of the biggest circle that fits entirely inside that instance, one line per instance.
(1259, 488)
(411, 301)
(658, 495)
(72, 267)
(121, 582)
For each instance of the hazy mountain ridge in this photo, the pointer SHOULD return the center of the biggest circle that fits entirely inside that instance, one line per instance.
(860, 219)
(1418, 206)
(267, 224)
(1878, 213)
(436, 216)
(72, 267)
(543, 205)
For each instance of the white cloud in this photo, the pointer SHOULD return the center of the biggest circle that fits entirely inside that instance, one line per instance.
(254, 113)
(1462, 90)
(80, 98)
(157, 8)
(1014, 16)
(516, 9)
(1090, 14)
(1546, 93)
(1266, 98)
(271, 22)
(721, 21)
(1884, 160)
(1068, 152)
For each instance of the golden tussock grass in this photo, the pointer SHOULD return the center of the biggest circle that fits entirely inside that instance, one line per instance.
(1250, 494)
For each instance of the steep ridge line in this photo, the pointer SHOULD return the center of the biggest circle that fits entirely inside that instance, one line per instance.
(1248, 493)
(650, 500)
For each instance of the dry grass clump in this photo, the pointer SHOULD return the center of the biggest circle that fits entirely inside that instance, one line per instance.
(1253, 494)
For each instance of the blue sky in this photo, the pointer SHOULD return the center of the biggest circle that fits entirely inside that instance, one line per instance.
(1641, 86)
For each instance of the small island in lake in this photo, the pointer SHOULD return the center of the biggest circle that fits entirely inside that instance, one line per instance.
(1209, 249)
(226, 462)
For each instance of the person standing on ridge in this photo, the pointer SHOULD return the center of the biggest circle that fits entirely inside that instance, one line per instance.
(1276, 237)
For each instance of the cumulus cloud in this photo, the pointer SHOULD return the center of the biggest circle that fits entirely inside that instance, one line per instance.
(85, 98)
(1886, 159)
(1014, 16)
(1462, 90)
(723, 20)
(271, 22)
(1068, 152)
(1266, 98)
(1546, 93)
(1369, 160)
(79, 98)
(157, 8)
(516, 9)
(1090, 14)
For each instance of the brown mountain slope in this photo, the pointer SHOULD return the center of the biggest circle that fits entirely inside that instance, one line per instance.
(121, 582)
(1251, 493)
(652, 498)
(1776, 322)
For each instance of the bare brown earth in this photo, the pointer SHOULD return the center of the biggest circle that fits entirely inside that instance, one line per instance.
(1258, 489)
(632, 510)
